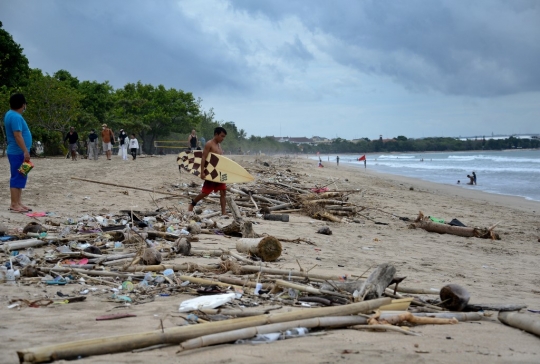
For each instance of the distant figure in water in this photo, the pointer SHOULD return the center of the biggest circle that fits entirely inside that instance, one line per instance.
(458, 181)
(474, 177)
(471, 180)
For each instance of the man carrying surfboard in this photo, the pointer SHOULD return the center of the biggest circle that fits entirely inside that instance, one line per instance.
(212, 146)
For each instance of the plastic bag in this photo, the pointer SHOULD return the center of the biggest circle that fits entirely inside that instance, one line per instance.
(204, 302)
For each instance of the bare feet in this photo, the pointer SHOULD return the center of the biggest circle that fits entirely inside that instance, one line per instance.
(18, 209)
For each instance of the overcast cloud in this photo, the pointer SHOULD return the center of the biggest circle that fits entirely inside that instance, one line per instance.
(302, 68)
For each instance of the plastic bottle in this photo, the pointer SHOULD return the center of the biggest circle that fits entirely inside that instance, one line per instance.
(23, 260)
(169, 273)
(148, 277)
(10, 277)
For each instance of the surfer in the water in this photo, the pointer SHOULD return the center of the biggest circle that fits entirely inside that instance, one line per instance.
(212, 146)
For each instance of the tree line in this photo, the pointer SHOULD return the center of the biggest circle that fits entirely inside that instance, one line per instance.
(58, 101)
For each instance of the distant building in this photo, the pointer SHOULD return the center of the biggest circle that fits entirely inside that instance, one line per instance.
(294, 140)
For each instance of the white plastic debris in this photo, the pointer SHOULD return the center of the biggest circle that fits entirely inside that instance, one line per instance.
(205, 302)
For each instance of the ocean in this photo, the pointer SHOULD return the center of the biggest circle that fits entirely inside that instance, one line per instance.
(512, 172)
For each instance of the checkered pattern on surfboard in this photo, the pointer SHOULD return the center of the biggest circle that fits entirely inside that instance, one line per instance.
(191, 162)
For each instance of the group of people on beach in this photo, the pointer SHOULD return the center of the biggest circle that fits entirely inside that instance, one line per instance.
(107, 142)
(472, 179)
(19, 142)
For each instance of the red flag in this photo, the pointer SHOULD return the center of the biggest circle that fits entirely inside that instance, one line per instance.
(362, 158)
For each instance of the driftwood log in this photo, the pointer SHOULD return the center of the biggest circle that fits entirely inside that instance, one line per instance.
(493, 307)
(267, 248)
(423, 222)
(238, 227)
(283, 217)
(377, 281)
(521, 321)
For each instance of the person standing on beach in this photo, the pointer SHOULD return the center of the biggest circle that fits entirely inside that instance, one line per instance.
(133, 146)
(337, 160)
(213, 146)
(92, 145)
(19, 141)
(192, 140)
(123, 141)
(72, 137)
(107, 138)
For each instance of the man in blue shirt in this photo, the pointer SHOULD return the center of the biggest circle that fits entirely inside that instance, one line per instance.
(19, 141)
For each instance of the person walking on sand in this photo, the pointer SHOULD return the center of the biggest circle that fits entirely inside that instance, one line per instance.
(92, 145)
(72, 137)
(133, 146)
(19, 141)
(123, 140)
(192, 140)
(212, 146)
(107, 138)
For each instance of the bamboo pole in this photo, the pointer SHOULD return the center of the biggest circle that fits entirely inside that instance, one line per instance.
(309, 289)
(206, 281)
(520, 321)
(22, 244)
(175, 335)
(249, 332)
(460, 316)
(279, 207)
(175, 267)
(284, 272)
(131, 187)
(417, 290)
(90, 272)
(238, 312)
(242, 283)
(384, 327)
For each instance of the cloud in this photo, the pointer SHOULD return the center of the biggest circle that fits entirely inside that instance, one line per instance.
(348, 67)
(481, 48)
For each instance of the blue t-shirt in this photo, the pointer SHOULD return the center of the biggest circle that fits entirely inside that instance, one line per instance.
(15, 122)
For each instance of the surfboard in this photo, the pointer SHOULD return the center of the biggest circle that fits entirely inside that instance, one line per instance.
(218, 168)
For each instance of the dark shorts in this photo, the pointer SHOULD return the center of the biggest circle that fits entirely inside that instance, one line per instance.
(209, 187)
(17, 180)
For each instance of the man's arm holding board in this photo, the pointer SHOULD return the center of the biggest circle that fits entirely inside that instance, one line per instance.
(206, 151)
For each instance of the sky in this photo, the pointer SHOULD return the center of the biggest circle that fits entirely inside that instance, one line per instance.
(303, 68)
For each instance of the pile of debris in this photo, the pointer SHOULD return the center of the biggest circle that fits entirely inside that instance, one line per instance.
(123, 258)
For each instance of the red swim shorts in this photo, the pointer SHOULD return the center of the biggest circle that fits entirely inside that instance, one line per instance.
(209, 187)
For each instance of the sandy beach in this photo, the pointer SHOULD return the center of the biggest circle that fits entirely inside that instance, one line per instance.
(499, 271)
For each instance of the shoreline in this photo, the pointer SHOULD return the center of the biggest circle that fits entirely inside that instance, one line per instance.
(514, 201)
(510, 201)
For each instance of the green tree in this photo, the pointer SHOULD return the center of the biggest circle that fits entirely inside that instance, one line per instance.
(53, 106)
(207, 124)
(14, 69)
(155, 112)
